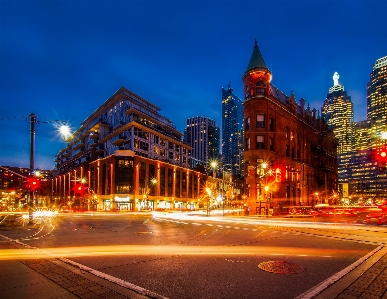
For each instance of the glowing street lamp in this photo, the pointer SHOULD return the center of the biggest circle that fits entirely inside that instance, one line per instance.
(208, 190)
(65, 132)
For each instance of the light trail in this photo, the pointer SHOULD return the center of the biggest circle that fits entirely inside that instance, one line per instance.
(251, 220)
(173, 250)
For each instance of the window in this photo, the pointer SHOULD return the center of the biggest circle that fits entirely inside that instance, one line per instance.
(156, 150)
(156, 139)
(247, 91)
(248, 143)
(260, 88)
(271, 141)
(162, 142)
(260, 121)
(248, 123)
(260, 142)
(271, 124)
(162, 152)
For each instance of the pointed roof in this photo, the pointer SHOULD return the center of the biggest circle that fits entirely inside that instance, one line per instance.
(256, 60)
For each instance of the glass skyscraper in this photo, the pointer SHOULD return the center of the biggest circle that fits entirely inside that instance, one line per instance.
(377, 121)
(202, 134)
(232, 132)
(337, 112)
(377, 101)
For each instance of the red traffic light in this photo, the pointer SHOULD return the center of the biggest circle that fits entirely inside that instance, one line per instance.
(33, 184)
(382, 155)
(79, 189)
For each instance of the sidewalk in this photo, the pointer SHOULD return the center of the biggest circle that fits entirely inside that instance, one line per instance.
(51, 278)
(368, 280)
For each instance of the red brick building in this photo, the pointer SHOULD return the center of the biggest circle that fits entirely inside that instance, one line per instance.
(290, 154)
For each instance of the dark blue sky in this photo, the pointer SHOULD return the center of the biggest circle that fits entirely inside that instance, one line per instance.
(62, 59)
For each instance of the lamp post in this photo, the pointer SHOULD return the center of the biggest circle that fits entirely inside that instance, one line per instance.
(214, 165)
(316, 193)
(267, 200)
(64, 130)
(208, 190)
(263, 170)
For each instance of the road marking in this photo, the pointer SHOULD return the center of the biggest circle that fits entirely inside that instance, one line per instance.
(110, 278)
(113, 279)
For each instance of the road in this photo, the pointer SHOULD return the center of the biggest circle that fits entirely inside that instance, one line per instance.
(181, 255)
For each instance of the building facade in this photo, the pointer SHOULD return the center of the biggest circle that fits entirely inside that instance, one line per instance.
(338, 114)
(290, 154)
(362, 184)
(377, 121)
(232, 132)
(202, 135)
(126, 156)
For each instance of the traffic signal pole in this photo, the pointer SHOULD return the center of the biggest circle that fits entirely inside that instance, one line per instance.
(32, 164)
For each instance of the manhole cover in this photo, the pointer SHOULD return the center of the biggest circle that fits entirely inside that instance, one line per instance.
(281, 267)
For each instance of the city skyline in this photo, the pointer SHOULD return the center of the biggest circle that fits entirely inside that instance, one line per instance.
(62, 60)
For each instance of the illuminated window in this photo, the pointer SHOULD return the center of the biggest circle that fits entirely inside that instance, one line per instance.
(260, 142)
(260, 121)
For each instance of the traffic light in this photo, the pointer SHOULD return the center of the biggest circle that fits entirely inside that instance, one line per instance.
(382, 159)
(382, 156)
(33, 184)
(79, 189)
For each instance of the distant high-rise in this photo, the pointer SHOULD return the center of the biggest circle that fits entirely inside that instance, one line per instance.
(202, 134)
(338, 114)
(361, 184)
(232, 131)
(377, 101)
(377, 121)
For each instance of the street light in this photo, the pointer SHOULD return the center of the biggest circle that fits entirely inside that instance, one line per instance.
(214, 165)
(63, 129)
(208, 190)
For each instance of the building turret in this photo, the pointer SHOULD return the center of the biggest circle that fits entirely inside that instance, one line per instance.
(257, 75)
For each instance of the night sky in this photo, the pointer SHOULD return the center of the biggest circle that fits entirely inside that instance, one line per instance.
(62, 59)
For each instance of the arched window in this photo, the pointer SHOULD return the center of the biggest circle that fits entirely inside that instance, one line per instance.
(260, 88)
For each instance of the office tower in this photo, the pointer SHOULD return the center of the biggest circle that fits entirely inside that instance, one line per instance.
(289, 152)
(361, 183)
(202, 134)
(377, 101)
(377, 120)
(337, 112)
(232, 132)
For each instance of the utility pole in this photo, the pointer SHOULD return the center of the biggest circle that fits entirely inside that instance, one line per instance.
(32, 117)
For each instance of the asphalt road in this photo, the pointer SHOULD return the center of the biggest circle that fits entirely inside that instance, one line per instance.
(179, 255)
